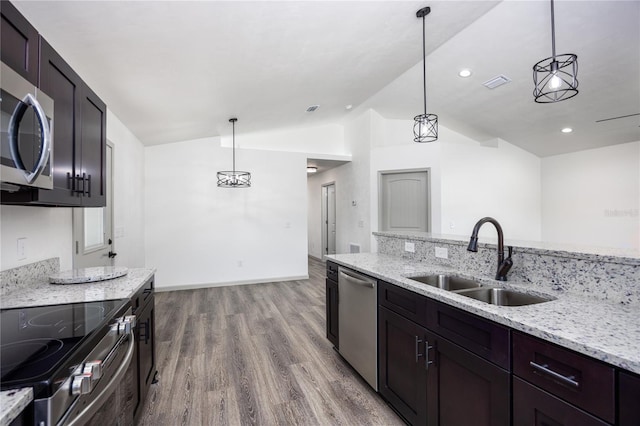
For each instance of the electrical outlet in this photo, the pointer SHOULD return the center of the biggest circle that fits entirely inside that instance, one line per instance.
(410, 247)
(442, 252)
(22, 248)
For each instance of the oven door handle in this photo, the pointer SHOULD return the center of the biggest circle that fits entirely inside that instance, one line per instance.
(97, 402)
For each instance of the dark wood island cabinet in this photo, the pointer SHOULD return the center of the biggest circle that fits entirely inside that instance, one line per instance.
(332, 303)
(144, 370)
(445, 377)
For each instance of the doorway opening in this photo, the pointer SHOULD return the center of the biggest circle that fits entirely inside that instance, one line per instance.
(328, 219)
(93, 228)
(404, 200)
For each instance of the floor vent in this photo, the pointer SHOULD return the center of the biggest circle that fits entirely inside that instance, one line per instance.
(354, 248)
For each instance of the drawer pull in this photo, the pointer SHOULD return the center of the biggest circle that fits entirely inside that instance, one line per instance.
(544, 369)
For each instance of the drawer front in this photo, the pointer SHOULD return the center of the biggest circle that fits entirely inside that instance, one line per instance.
(534, 407)
(402, 301)
(580, 380)
(332, 271)
(478, 335)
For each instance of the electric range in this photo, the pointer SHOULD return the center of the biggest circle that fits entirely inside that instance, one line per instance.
(62, 351)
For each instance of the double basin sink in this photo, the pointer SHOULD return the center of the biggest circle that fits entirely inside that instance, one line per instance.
(474, 290)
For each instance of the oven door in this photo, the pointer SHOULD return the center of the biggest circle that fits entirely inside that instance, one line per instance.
(26, 133)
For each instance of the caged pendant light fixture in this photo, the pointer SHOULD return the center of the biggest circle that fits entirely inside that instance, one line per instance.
(425, 128)
(234, 178)
(555, 78)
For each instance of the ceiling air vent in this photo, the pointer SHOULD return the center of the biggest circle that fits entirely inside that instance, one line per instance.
(496, 81)
(312, 108)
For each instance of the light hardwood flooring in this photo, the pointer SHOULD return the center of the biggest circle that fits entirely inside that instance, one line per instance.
(255, 354)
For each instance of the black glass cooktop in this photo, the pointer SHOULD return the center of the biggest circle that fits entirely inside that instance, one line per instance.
(39, 345)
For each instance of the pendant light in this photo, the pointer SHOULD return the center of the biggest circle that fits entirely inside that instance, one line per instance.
(425, 128)
(234, 178)
(555, 78)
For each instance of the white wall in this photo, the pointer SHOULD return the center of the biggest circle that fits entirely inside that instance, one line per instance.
(128, 200)
(49, 230)
(200, 235)
(501, 181)
(603, 185)
(325, 139)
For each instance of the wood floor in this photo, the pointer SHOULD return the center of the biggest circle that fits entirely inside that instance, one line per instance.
(255, 354)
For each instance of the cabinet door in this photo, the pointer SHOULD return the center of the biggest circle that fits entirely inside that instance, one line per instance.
(332, 312)
(146, 350)
(19, 41)
(93, 149)
(63, 85)
(401, 365)
(464, 389)
(534, 407)
(628, 398)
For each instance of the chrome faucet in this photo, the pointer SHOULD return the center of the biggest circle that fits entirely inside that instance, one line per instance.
(503, 264)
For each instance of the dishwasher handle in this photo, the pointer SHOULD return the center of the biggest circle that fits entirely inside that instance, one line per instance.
(355, 278)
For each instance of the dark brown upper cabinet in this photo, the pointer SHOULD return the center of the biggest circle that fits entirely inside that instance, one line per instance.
(79, 139)
(19, 43)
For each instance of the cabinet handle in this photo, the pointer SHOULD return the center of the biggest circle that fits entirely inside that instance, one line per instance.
(427, 348)
(88, 192)
(418, 354)
(544, 369)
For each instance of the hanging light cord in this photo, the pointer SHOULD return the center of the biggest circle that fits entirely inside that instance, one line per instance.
(233, 132)
(424, 66)
(553, 33)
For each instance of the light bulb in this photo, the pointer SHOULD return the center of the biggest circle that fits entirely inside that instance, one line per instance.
(555, 82)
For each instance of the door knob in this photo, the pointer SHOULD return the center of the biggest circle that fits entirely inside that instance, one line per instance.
(112, 255)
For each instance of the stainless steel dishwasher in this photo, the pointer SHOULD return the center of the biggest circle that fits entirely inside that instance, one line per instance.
(358, 323)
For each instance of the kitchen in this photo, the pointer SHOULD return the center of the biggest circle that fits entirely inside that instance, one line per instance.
(195, 234)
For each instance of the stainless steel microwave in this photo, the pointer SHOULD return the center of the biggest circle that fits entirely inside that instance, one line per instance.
(26, 133)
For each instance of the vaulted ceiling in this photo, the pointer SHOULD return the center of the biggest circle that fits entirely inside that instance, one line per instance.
(177, 70)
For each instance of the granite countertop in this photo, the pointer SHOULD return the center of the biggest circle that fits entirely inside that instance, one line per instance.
(43, 293)
(12, 402)
(40, 293)
(603, 330)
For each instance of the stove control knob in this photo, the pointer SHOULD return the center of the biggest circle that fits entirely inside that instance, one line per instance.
(131, 319)
(81, 384)
(94, 368)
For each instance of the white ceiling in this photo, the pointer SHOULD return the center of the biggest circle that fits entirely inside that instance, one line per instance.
(173, 70)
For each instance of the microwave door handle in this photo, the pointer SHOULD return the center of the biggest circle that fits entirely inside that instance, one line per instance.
(45, 136)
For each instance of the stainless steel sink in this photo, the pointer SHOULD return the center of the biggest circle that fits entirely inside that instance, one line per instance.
(503, 297)
(447, 282)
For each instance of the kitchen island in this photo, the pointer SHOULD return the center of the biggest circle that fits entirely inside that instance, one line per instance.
(607, 331)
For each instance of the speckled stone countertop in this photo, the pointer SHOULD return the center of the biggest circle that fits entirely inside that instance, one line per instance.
(43, 293)
(12, 402)
(40, 293)
(603, 330)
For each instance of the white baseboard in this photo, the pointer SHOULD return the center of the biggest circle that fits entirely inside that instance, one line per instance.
(228, 284)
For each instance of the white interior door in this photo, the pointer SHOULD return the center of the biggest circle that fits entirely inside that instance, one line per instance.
(93, 228)
(404, 201)
(328, 219)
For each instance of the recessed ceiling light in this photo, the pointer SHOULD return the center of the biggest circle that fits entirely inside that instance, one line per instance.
(465, 73)
(567, 130)
(312, 169)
